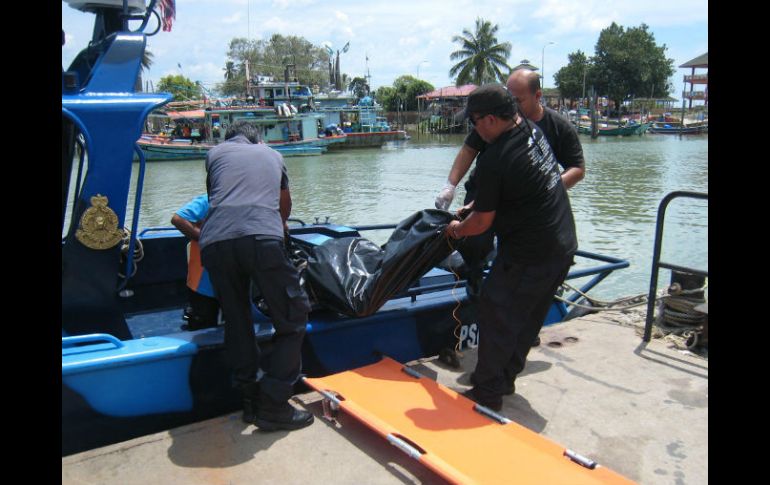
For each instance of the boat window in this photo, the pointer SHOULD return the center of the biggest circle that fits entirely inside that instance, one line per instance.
(279, 92)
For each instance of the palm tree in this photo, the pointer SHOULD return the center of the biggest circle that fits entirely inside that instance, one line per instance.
(146, 63)
(482, 56)
(229, 70)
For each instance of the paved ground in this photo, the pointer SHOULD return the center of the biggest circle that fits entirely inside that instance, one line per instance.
(592, 386)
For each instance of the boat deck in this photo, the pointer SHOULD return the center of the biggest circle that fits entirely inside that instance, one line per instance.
(592, 385)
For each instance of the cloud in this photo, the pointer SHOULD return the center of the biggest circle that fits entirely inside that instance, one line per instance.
(235, 18)
(398, 34)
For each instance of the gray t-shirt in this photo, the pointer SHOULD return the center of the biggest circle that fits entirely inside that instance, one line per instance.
(245, 187)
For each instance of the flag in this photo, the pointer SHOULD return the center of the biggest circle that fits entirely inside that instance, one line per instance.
(167, 13)
(179, 65)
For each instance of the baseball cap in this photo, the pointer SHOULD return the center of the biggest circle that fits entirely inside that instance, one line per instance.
(491, 99)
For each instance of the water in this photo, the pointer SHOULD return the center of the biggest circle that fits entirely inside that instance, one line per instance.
(615, 206)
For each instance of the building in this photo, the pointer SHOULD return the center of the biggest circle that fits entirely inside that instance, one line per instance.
(700, 62)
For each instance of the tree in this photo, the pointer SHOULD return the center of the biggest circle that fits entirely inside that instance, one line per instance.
(182, 88)
(385, 97)
(229, 70)
(482, 57)
(572, 78)
(359, 87)
(270, 58)
(405, 91)
(628, 63)
(146, 63)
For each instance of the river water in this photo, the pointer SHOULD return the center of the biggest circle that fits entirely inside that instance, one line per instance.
(615, 206)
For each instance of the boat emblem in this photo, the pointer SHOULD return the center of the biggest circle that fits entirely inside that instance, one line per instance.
(99, 225)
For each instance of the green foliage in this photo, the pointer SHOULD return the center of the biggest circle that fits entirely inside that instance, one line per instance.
(270, 57)
(359, 87)
(483, 59)
(182, 88)
(385, 96)
(405, 91)
(569, 79)
(628, 63)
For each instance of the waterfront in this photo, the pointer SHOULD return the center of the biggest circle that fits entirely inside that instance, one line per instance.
(615, 206)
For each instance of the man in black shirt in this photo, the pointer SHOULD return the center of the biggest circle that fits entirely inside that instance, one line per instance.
(522, 197)
(562, 137)
(524, 85)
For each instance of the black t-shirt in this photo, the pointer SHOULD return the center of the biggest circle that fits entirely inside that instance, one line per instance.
(561, 136)
(533, 218)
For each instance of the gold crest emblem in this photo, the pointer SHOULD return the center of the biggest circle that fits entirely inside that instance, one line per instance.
(99, 225)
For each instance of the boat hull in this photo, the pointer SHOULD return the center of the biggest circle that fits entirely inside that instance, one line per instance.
(164, 377)
(159, 152)
(366, 140)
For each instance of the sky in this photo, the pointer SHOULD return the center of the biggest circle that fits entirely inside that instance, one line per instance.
(405, 36)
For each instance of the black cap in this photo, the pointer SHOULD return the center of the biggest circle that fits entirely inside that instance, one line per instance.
(491, 99)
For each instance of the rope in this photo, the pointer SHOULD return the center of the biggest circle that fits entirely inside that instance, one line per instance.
(459, 324)
(138, 252)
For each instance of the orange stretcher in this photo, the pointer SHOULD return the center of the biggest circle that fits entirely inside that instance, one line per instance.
(450, 434)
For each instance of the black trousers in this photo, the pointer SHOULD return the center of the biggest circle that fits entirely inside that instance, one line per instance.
(514, 302)
(232, 264)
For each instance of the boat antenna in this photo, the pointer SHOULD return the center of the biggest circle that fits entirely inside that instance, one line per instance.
(368, 76)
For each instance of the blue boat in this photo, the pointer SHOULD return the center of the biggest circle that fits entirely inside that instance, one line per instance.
(281, 127)
(127, 368)
(361, 122)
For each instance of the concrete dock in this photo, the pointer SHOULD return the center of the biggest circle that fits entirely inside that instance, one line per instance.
(592, 385)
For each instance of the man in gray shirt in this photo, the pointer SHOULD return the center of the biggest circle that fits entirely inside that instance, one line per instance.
(242, 241)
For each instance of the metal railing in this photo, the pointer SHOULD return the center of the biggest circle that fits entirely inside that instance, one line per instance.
(657, 263)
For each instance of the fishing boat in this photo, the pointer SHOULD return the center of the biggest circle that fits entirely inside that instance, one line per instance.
(128, 369)
(360, 121)
(676, 128)
(626, 130)
(282, 127)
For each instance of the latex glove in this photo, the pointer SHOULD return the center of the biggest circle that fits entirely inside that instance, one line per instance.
(444, 198)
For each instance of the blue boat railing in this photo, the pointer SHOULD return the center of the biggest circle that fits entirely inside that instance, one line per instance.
(134, 220)
(599, 272)
(657, 263)
(91, 338)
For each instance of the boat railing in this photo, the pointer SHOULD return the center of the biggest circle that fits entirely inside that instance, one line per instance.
(599, 272)
(657, 263)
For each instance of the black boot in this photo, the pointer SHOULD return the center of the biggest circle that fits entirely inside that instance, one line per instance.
(250, 402)
(273, 416)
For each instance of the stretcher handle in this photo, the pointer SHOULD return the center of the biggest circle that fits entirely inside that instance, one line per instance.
(580, 459)
(491, 414)
(404, 446)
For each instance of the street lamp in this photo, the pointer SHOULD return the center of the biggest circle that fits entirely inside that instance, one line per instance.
(542, 62)
(418, 67)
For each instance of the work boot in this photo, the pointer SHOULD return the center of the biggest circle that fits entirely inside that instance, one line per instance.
(495, 403)
(272, 417)
(509, 385)
(250, 402)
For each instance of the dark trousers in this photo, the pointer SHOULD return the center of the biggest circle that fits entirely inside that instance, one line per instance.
(514, 302)
(234, 263)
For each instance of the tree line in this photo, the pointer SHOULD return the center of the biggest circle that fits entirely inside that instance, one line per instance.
(626, 63)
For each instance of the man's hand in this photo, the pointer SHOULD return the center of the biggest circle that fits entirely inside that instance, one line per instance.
(451, 230)
(463, 211)
(445, 197)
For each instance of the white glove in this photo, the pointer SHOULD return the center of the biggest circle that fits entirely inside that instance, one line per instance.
(444, 198)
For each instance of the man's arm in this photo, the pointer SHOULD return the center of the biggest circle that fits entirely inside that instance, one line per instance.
(186, 227)
(460, 167)
(284, 204)
(475, 223)
(572, 176)
(461, 164)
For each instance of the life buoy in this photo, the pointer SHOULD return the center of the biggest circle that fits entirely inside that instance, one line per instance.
(261, 101)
